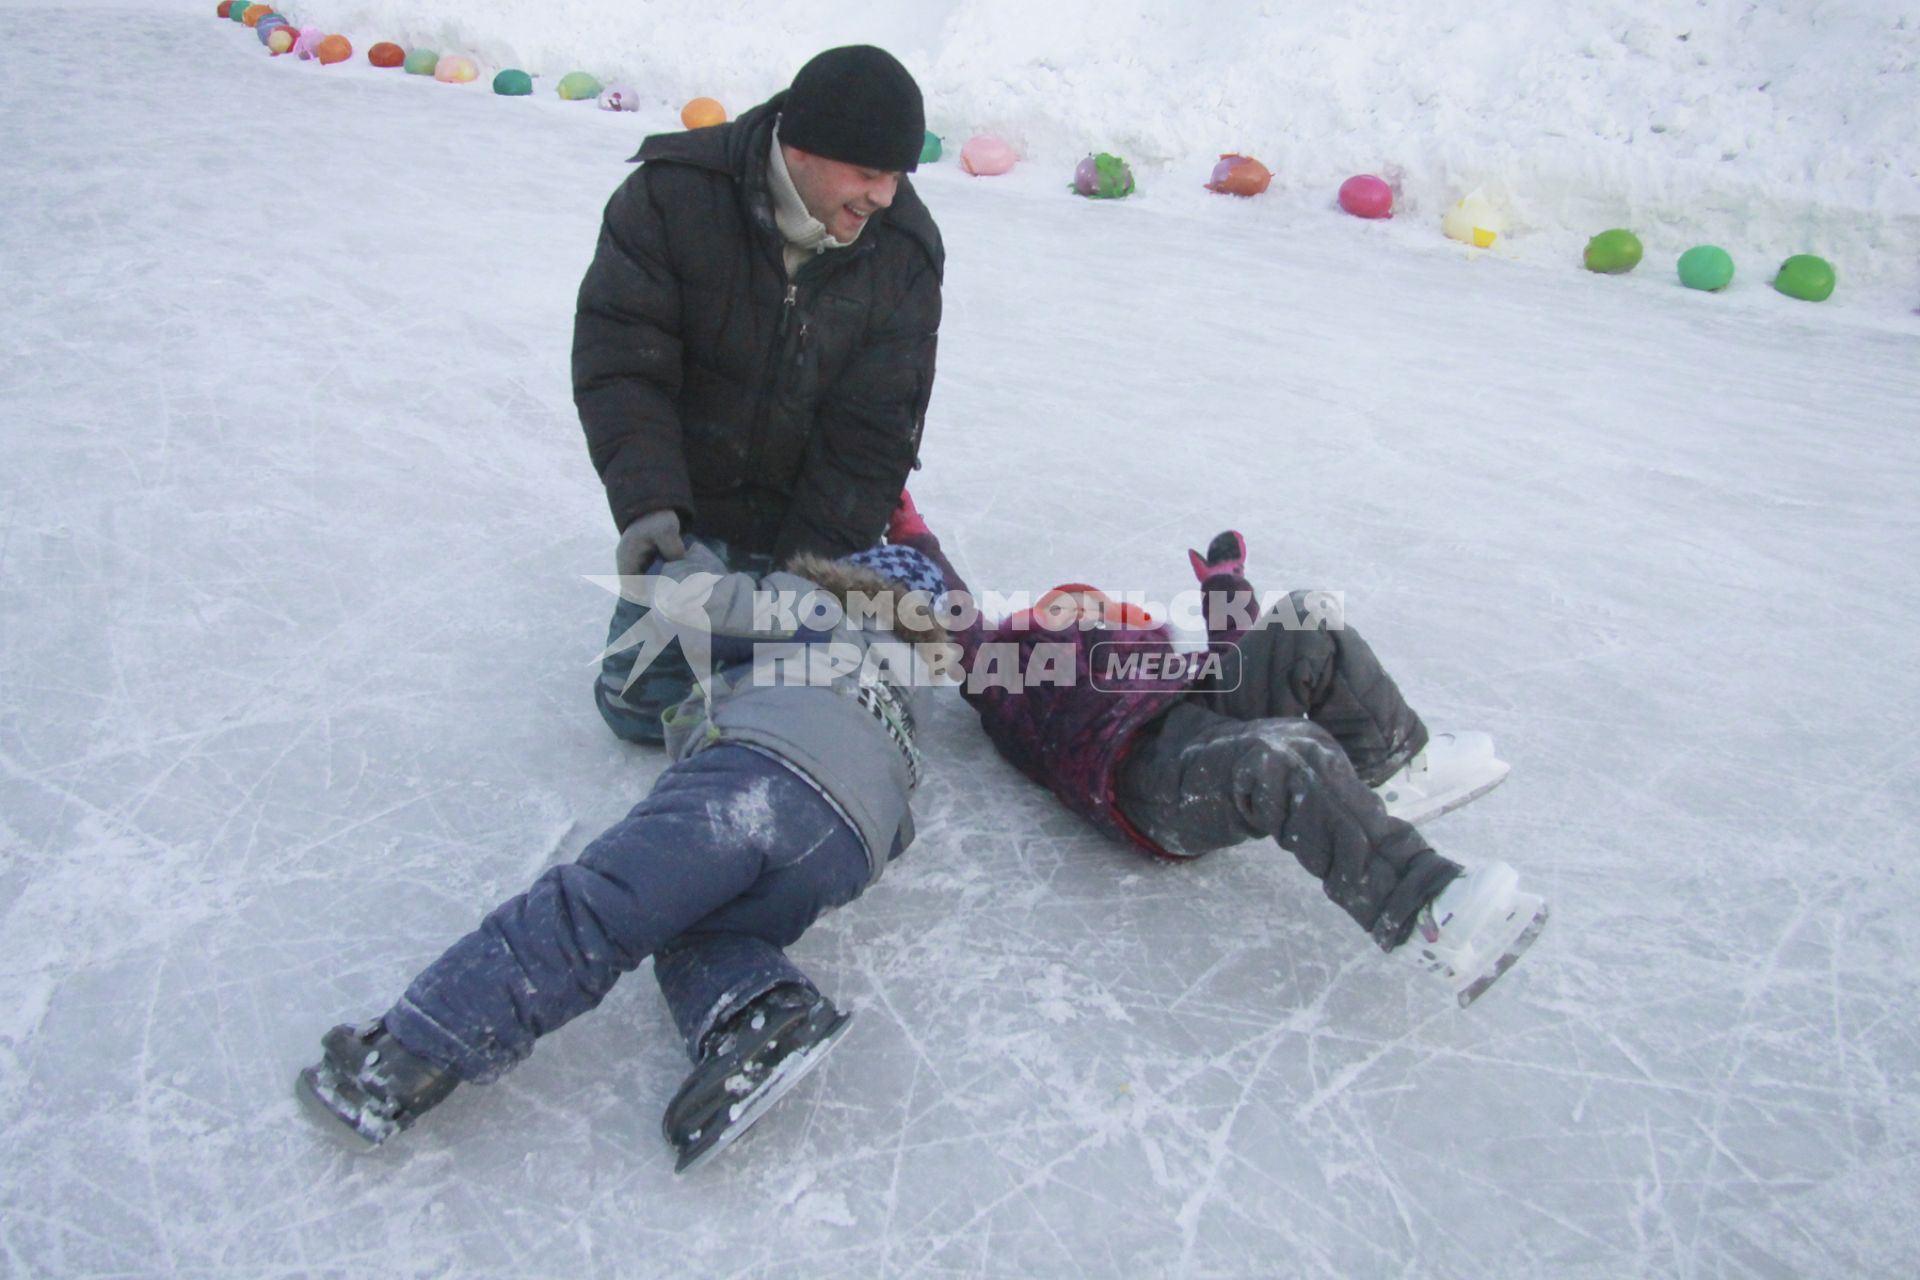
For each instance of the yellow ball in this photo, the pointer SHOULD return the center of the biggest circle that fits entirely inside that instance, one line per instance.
(1476, 220)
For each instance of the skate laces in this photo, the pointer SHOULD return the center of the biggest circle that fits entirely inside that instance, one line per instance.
(1425, 924)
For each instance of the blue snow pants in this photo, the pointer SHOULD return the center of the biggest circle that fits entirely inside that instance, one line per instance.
(633, 710)
(728, 860)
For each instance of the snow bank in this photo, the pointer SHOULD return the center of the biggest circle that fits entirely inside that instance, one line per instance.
(1771, 128)
(1779, 128)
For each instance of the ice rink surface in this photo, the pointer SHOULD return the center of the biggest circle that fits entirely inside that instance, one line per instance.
(296, 644)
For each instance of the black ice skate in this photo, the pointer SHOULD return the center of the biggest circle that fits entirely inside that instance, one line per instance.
(366, 1081)
(746, 1066)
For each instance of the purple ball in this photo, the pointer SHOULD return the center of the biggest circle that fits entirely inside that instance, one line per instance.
(268, 23)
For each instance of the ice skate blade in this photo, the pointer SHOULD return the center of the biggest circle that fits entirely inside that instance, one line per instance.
(1416, 810)
(321, 1101)
(784, 1077)
(1513, 951)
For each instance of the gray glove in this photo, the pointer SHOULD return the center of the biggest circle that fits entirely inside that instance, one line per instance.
(654, 534)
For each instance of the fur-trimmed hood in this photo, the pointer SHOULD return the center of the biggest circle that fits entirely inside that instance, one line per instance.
(861, 592)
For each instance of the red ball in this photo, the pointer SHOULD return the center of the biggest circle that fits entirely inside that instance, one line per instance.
(224, 11)
(387, 54)
(1365, 196)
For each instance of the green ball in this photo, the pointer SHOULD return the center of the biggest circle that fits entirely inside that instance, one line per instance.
(1612, 252)
(421, 62)
(578, 85)
(1706, 266)
(513, 84)
(930, 148)
(1805, 277)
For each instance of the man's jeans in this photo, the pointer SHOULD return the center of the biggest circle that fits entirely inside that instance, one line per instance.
(633, 710)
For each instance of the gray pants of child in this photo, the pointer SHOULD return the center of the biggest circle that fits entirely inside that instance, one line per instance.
(1292, 752)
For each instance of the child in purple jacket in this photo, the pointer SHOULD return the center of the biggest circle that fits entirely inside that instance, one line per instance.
(1282, 729)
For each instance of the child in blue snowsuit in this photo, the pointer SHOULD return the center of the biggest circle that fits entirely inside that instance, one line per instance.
(788, 795)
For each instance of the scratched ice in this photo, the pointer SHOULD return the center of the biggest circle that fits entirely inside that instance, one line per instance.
(295, 646)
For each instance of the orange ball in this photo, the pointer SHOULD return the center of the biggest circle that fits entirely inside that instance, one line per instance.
(334, 49)
(252, 14)
(1239, 175)
(387, 54)
(702, 112)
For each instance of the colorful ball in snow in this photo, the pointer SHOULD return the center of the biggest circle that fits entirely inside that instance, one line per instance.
(1706, 266)
(387, 54)
(985, 156)
(621, 97)
(1365, 196)
(1238, 175)
(930, 148)
(1614, 252)
(280, 41)
(335, 48)
(578, 86)
(268, 25)
(513, 83)
(702, 113)
(421, 62)
(238, 13)
(1103, 177)
(254, 12)
(224, 10)
(455, 69)
(308, 45)
(1805, 277)
(1474, 220)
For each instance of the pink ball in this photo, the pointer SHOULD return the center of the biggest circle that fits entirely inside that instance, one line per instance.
(1365, 196)
(620, 97)
(985, 155)
(308, 45)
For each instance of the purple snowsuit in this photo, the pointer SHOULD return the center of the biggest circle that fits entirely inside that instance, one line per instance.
(1068, 736)
(1288, 746)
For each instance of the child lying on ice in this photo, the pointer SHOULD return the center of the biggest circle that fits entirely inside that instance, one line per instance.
(1299, 735)
(788, 795)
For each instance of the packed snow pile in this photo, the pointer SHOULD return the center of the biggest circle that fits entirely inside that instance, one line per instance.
(1774, 129)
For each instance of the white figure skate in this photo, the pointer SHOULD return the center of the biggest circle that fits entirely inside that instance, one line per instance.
(1450, 770)
(1475, 928)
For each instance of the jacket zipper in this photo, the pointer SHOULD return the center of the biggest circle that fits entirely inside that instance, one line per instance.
(789, 304)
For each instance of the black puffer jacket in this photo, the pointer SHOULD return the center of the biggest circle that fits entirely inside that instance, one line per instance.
(782, 416)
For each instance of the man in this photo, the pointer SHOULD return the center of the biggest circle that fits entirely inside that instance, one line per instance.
(754, 343)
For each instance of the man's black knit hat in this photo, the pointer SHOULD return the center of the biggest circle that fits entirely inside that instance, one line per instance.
(856, 104)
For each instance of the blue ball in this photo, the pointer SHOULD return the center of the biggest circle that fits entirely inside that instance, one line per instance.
(268, 23)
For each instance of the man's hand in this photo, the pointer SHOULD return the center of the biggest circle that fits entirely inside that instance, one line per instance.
(654, 534)
(906, 521)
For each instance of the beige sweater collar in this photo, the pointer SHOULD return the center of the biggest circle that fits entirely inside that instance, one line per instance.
(805, 234)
